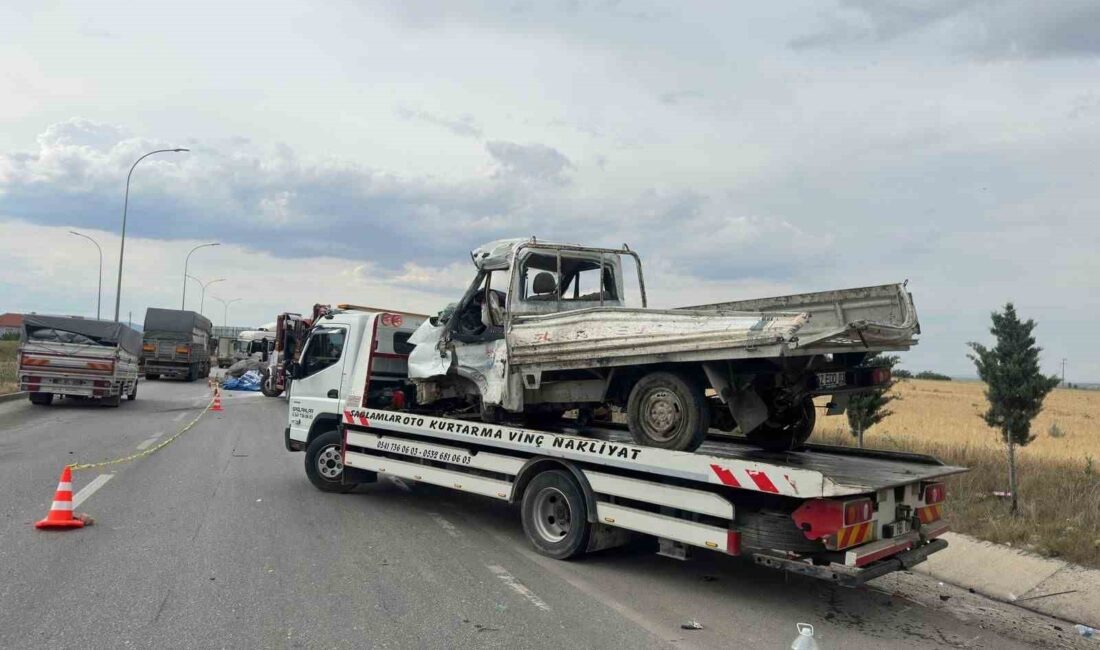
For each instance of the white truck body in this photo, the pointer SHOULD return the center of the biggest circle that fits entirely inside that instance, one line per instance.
(545, 328)
(77, 357)
(846, 515)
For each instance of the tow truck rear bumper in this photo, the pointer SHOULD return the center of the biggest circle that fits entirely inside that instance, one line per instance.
(850, 576)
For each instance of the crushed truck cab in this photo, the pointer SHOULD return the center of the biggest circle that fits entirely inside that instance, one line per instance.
(840, 514)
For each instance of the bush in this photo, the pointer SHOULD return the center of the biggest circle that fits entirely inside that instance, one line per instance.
(1055, 431)
(934, 376)
(901, 374)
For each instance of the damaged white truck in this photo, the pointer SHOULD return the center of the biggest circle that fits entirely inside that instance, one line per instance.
(545, 328)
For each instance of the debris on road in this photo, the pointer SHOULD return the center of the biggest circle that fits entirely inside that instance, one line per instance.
(250, 380)
(692, 625)
(1085, 631)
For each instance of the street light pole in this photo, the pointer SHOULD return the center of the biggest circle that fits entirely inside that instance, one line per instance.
(202, 302)
(99, 288)
(225, 311)
(186, 261)
(125, 206)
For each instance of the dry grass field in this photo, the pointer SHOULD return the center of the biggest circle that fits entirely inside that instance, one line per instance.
(8, 377)
(1059, 474)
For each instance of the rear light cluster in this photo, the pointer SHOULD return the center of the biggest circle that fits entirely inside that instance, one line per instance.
(821, 518)
(880, 376)
(149, 347)
(934, 493)
(183, 349)
(857, 512)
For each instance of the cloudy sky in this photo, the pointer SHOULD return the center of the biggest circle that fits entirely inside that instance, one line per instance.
(356, 151)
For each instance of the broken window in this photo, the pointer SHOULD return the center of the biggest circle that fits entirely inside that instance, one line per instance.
(581, 279)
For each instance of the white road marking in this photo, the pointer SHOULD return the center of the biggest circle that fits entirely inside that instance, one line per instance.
(148, 443)
(90, 489)
(179, 416)
(445, 525)
(399, 483)
(562, 571)
(518, 587)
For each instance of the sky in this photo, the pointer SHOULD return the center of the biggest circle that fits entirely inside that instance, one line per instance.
(348, 151)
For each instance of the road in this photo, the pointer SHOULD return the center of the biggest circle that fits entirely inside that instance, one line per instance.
(217, 540)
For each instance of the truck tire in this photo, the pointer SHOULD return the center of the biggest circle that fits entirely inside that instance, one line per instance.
(132, 395)
(190, 374)
(152, 375)
(555, 516)
(265, 384)
(668, 410)
(324, 464)
(786, 430)
(40, 399)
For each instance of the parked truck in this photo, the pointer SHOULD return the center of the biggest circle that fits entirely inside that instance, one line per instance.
(545, 328)
(845, 515)
(291, 330)
(78, 357)
(177, 343)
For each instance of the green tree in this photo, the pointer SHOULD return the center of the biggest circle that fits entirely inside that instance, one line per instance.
(865, 410)
(1015, 386)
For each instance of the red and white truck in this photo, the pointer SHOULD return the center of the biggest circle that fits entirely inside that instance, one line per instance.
(841, 514)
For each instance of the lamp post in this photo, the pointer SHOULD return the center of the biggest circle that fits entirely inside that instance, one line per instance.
(125, 206)
(225, 311)
(99, 288)
(202, 301)
(186, 261)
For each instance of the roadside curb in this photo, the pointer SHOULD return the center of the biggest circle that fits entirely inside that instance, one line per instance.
(11, 397)
(1052, 587)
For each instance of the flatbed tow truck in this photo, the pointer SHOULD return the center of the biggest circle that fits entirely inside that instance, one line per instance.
(841, 514)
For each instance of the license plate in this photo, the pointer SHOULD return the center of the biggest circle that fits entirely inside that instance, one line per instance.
(69, 382)
(831, 380)
(896, 528)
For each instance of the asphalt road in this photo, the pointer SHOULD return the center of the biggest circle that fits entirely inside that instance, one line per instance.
(217, 540)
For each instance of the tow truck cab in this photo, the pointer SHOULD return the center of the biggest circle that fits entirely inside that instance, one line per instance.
(321, 370)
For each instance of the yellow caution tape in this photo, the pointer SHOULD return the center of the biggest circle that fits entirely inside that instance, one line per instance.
(141, 454)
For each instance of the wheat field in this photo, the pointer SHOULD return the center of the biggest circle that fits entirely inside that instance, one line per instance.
(949, 412)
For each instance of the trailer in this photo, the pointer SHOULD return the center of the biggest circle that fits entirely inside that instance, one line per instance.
(176, 343)
(841, 514)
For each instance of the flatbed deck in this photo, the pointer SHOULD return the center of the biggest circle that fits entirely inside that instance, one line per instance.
(818, 471)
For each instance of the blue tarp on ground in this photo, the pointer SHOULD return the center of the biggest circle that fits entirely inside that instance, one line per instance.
(248, 381)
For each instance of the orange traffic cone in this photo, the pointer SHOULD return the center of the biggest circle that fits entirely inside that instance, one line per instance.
(61, 511)
(217, 408)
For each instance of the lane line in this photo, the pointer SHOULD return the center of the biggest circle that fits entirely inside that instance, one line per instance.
(556, 568)
(90, 489)
(518, 586)
(148, 443)
(179, 416)
(445, 525)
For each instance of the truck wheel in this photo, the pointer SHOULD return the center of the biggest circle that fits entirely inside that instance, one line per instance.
(40, 399)
(152, 375)
(132, 395)
(555, 516)
(325, 465)
(265, 384)
(667, 410)
(787, 429)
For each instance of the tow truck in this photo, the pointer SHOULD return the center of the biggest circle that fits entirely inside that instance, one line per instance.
(841, 514)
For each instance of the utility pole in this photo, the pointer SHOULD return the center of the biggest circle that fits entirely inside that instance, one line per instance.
(1063, 372)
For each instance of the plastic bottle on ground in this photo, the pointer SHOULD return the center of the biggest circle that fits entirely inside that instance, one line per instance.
(805, 639)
